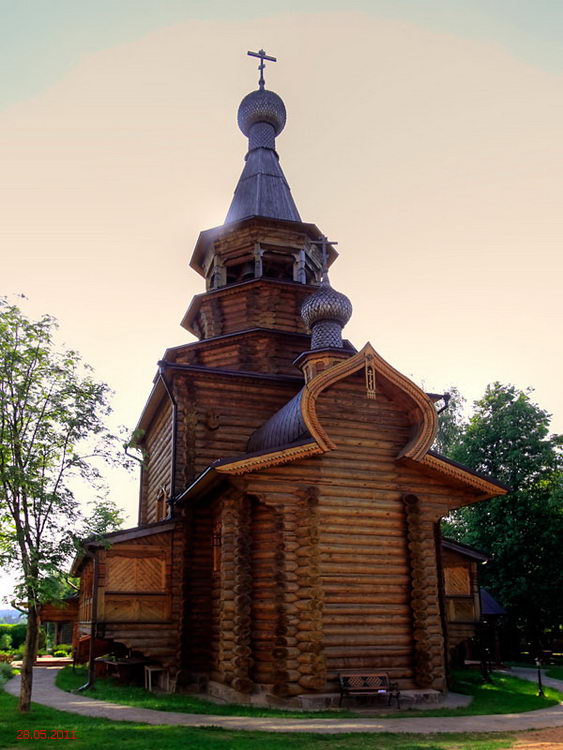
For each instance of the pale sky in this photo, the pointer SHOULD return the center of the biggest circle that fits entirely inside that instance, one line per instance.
(424, 136)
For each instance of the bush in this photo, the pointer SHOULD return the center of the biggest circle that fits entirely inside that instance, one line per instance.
(60, 653)
(65, 647)
(6, 657)
(16, 633)
(6, 672)
(5, 641)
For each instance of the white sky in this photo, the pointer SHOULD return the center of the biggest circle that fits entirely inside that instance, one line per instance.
(431, 155)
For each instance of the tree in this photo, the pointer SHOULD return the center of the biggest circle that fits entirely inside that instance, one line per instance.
(52, 432)
(451, 423)
(508, 438)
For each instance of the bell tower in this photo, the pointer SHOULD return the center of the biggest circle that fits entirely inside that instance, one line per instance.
(264, 261)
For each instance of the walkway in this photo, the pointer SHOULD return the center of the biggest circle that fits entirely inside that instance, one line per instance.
(45, 692)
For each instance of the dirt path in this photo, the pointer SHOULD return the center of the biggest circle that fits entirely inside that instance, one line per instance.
(542, 739)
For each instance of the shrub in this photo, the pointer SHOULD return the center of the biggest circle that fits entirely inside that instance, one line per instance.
(15, 631)
(6, 672)
(61, 653)
(6, 657)
(5, 641)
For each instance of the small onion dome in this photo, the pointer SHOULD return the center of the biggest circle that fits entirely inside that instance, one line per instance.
(261, 106)
(326, 304)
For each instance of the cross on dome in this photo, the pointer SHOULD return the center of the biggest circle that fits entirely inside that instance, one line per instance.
(323, 243)
(263, 56)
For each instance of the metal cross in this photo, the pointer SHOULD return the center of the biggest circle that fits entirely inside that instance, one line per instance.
(263, 56)
(323, 243)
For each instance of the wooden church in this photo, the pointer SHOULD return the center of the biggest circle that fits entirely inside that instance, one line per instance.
(290, 499)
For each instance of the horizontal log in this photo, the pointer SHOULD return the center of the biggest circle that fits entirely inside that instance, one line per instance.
(344, 622)
(399, 639)
(365, 598)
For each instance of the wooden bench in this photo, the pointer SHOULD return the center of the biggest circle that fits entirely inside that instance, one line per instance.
(368, 683)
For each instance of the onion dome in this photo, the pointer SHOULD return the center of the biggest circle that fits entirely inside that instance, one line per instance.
(326, 312)
(261, 106)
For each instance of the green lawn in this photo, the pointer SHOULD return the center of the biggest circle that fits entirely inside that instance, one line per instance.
(506, 694)
(555, 673)
(92, 734)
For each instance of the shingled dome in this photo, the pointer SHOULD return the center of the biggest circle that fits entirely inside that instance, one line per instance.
(261, 106)
(326, 312)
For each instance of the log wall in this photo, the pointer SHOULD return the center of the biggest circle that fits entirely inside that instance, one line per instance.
(216, 417)
(266, 604)
(253, 351)
(156, 475)
(364, 557)
(200, 629)
(261, 303)
(461, 597)
(361, 587)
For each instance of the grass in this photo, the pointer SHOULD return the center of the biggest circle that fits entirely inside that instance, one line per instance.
(132, 695)
(553, 671)
(506, 694)
(94, 733)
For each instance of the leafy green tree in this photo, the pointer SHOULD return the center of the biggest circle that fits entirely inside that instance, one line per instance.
(451, 423)
(508, 438)
(52, 433)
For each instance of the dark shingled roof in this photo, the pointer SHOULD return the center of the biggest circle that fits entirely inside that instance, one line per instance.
(490, 606)
(284, 427)
(262, 189)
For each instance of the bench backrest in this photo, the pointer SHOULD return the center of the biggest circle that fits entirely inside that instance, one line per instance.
(364, 681)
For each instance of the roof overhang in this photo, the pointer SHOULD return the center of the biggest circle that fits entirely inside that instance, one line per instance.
(116, 537)
(207, 238)
(464, 549)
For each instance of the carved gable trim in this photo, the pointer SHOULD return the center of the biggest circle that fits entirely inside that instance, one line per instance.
(424, 417)
(264, 461)
(486, 488)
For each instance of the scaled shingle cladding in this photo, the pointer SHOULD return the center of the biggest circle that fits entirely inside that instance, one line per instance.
(284, 427)
(262, 189)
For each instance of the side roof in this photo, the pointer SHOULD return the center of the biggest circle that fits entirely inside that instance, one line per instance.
(115, 537)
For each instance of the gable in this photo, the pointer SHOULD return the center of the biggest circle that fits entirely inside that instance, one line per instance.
(379, 377)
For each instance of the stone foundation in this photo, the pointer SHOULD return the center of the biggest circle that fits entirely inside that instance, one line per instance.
(261, 696)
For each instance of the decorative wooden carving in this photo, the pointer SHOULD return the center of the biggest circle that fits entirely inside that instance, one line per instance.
(370, 377)
(486, 489)
(270, 459)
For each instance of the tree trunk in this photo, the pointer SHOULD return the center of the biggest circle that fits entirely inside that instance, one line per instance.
(29, 656)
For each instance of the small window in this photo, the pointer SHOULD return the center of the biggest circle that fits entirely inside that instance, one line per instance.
(240, 272)
(277, 266)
